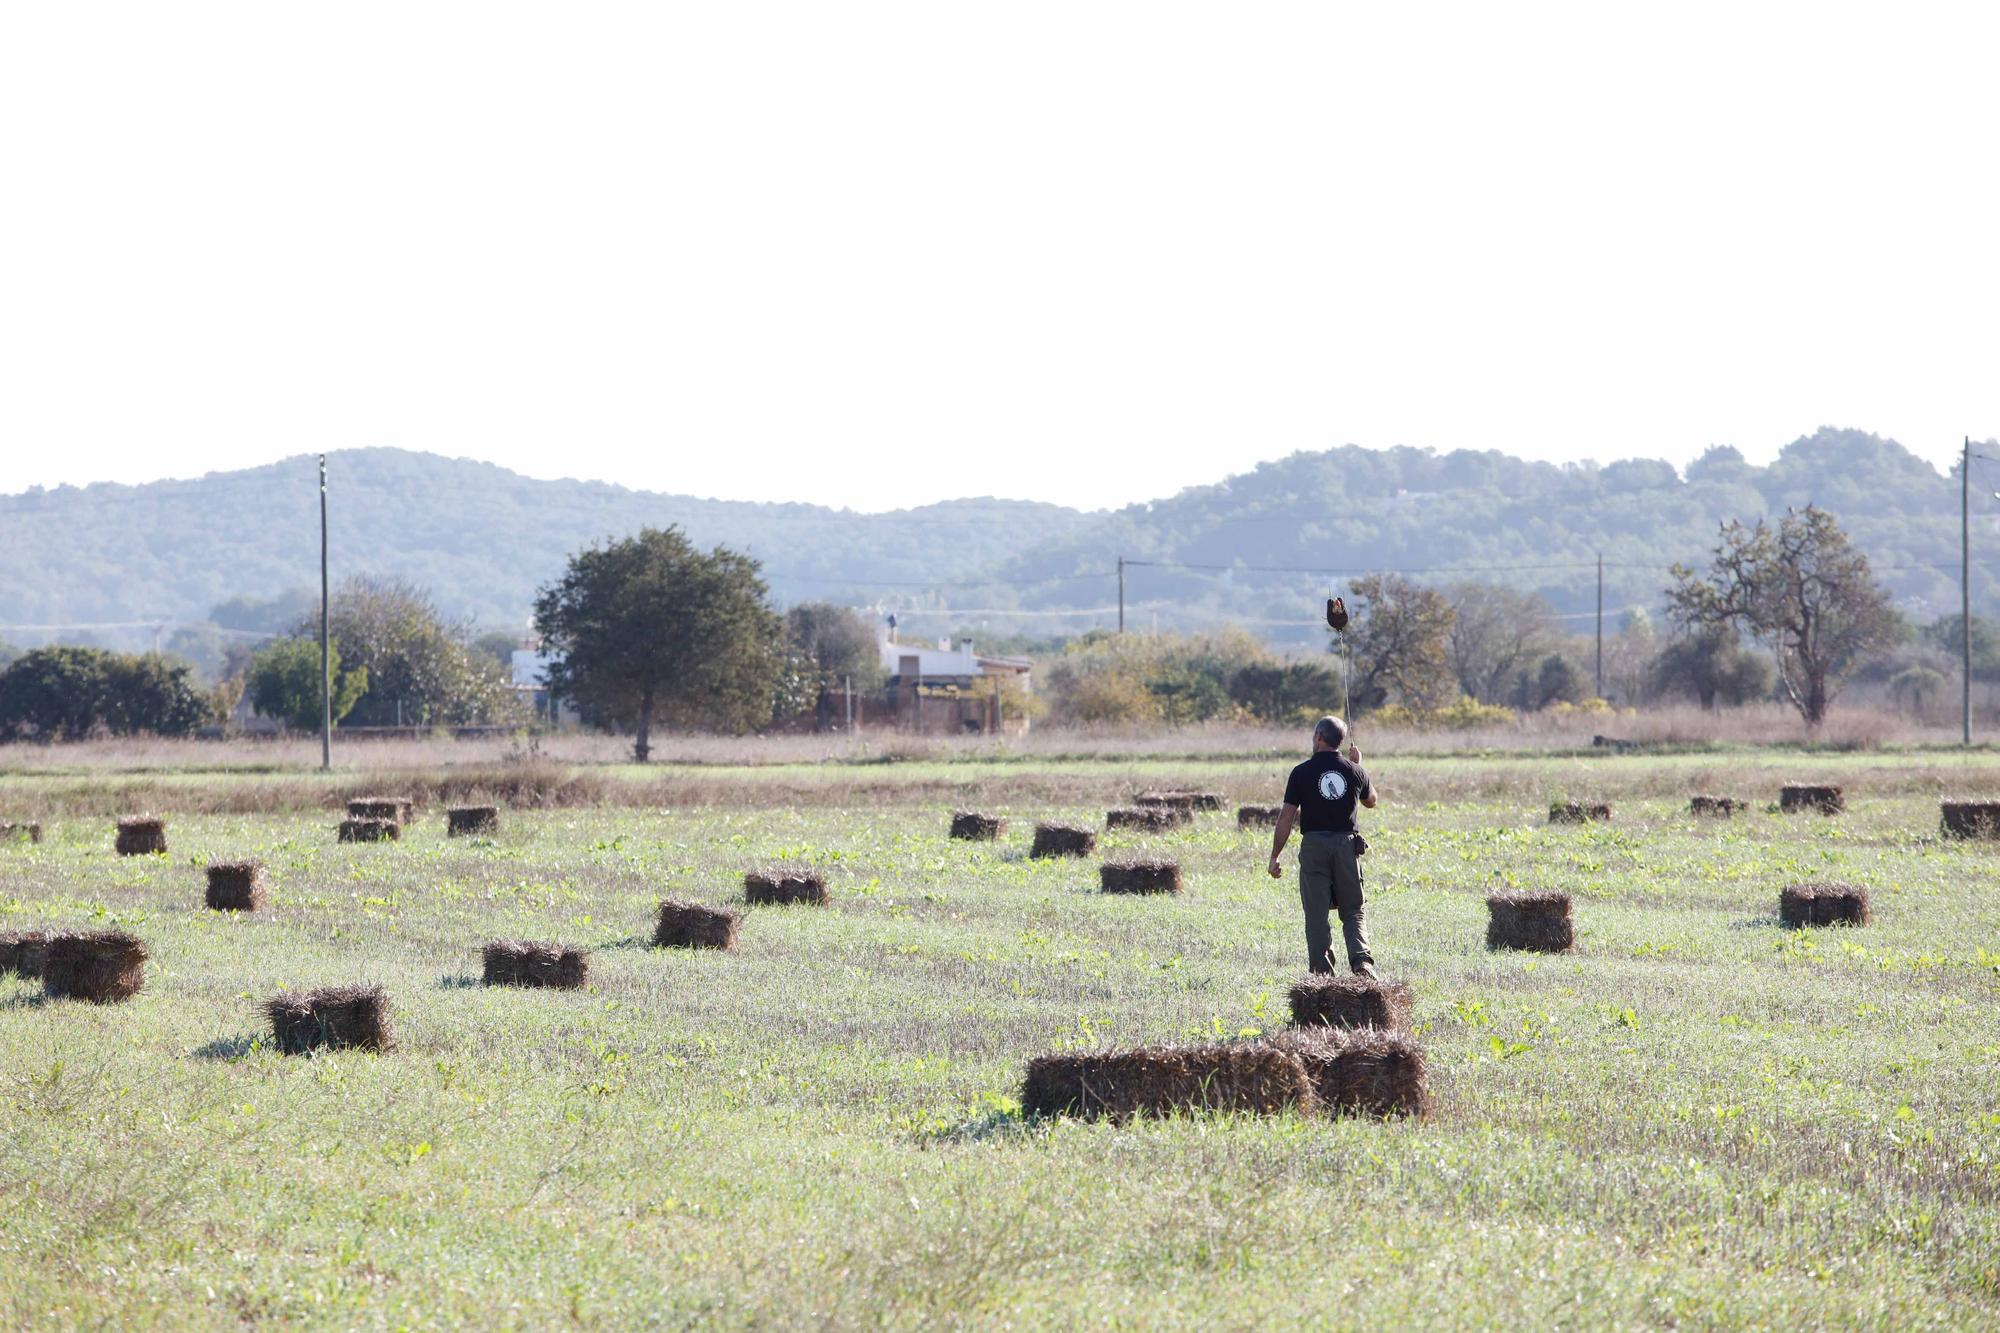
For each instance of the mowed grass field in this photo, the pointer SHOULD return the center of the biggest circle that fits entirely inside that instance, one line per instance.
(1697, 1118)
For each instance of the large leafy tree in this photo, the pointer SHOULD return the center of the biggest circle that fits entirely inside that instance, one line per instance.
(1401, 635)
(69, 693)
(1800, 588)
(284, 682)
(1496, 634)
(648, 630)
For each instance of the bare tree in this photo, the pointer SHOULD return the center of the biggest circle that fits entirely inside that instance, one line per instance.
(1803, 591)
(1496, 633)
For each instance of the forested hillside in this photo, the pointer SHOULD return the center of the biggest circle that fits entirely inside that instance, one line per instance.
(481, 538)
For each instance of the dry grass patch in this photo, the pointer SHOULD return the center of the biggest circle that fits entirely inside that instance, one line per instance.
(336, 1018)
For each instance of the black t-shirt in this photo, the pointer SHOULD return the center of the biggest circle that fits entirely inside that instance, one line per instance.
(1325, 789)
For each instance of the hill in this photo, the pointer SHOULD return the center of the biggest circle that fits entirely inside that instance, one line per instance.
(1266, 543)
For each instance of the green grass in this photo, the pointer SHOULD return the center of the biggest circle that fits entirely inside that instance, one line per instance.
(1697, 1118)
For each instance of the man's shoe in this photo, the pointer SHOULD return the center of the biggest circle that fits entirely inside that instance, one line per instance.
(1366, 970)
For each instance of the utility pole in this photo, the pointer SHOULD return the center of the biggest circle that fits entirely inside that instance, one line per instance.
(325, 641)
(1121, 594)
(1600, 624)
(1965, 585)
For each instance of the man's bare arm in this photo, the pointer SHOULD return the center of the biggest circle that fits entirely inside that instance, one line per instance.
(1286, 818)
(1354, 757)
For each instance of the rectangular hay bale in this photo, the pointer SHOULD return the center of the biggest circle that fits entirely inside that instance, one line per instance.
(399, 808)
(370, 830)
(1578, 812)
(1361, 1071)
(28, 833)
(1258, 816)
(1063, 840)
(686, 925)
(1165, 1080)
(1147, 818)
(1802, 905)
(1323, 1000)
(1796, 796)
(236, 886)
(334, 1018)
(533, 963)
(1139, 874)
(101, 966)
(23, 952)
(1970, 819)
(141, 835)
(1539, 922)
(1716, 807)
(463, 821)
(781, 885)
(976, 826)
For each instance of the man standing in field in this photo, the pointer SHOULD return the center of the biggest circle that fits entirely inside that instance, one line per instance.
(1320, 797)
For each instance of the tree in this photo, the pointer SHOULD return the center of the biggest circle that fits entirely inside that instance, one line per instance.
(1801, 589)
(648, 629)
(284, 682)
(1554, 680)
(1947, 633)
(1710, 664)
(69, 693)
(1400, 633)
(1286, 692)
(498, 645)
(1496, 632)
(829, 646)
(419, 668)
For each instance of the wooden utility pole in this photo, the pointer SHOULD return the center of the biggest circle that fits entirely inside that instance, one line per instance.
(1121, 594)
(325, 641)
(1600, 624)
(1965, 586)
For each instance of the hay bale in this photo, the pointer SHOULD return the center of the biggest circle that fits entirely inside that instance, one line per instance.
(336, 1018)
(236, 886)
(463, 821)
(101, 966)
(1166, 800)
(973, 826)
(370, 830)
(1324, 1000)
(1163, 1080)
(1063, 840)
(1258, 816)
(399, 808)
(1147, 818)
(23, 952)
(798, 884)
(20, 833)
(1794, 797)
(1716, 807)
(1970, 819)
(1139, 874)
(1801, 905)
(531, 963)
(1578, 812)
(1537, 921)
(685, 925)
(1360, 1071)
(141, 835)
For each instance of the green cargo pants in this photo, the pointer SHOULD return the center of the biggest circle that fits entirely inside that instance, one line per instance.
(1330, 878)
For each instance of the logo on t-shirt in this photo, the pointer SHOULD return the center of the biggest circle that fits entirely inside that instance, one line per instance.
(1332, 786)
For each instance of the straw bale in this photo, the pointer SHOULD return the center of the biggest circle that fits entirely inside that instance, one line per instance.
(1970, 819)
(1826, 800)
(1323, 1000)
(1258, 816)
(1360, 1071)
(532, 963)
(1536, 921)
(1063, 840)
(686, 925)
(336, 1018)
(236, 886)
(781, 884)
(974, 826)
(370, 830)
(141, 835)
(1578, 812)
(1163, 1080)
(20, 832)
(1139, 874)
(101, 966)
(1716, 807)
(1802, 905)
(471, 820)
(22, 952)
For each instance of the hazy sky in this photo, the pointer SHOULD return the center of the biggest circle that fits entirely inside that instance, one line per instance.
(877, 254)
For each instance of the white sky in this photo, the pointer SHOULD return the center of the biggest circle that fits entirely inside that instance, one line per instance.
(878, 254)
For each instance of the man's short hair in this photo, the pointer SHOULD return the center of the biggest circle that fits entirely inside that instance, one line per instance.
(1331, 730)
